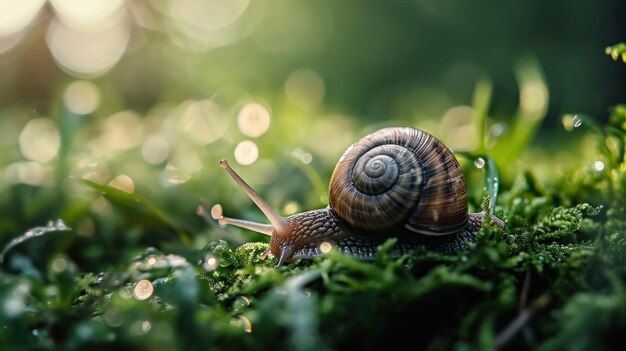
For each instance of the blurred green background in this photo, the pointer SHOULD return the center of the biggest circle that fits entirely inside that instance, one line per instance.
(147, 96)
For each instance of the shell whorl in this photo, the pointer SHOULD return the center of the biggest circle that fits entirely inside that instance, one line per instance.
(399, 180)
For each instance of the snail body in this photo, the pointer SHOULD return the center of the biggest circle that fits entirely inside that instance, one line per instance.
(396, 182)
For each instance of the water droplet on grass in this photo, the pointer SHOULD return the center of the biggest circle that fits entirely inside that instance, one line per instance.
(598, 165)
(479, 163)
(51, 227)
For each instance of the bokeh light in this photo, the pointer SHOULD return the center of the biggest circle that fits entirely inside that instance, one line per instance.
(336, 133)
(14, 302)
(173, 176)
(207, 15)
(86, 14)
(114, 317)
(82, 97)
(305, 88)
(88, 53)
(155, 149)
(40, 140)
(186, 159)
(100, 205)
(293, 27)
(15, 15)
(457, 127)
(204, 121)
(28, 172)
(246, 152)
(143, 290)
(207, 22)
(123, 183)
(120, 131)
(140, 327)
(290, 208)
(59, 264)
(253, 120)
(302, 155)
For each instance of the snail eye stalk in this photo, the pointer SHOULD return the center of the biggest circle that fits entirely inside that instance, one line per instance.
(216, 213)
(279, 225)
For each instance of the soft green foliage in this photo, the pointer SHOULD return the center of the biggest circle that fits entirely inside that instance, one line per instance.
(617, 51)
(591, 320)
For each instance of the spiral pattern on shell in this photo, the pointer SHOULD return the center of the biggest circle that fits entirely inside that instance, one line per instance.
(398, 180)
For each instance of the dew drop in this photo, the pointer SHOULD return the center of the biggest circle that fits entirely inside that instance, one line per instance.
(247, 326)
(479, 163)
(598, 165)
(210, 263)
(577, 121)
(60, 225)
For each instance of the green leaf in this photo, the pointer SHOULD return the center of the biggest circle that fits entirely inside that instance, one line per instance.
(140, 208)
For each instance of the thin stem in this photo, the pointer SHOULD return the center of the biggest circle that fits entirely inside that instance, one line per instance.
(481, 102)
(525, 291)
(492, 183)
(280, 223)
(520, 321)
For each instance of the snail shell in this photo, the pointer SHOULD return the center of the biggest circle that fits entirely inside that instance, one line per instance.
(400, 179)
(396, 182)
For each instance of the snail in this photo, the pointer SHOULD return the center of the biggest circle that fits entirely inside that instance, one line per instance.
(396, 182)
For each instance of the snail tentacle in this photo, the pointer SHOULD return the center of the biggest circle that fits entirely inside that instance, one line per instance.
(216, 213)
(281, 226)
